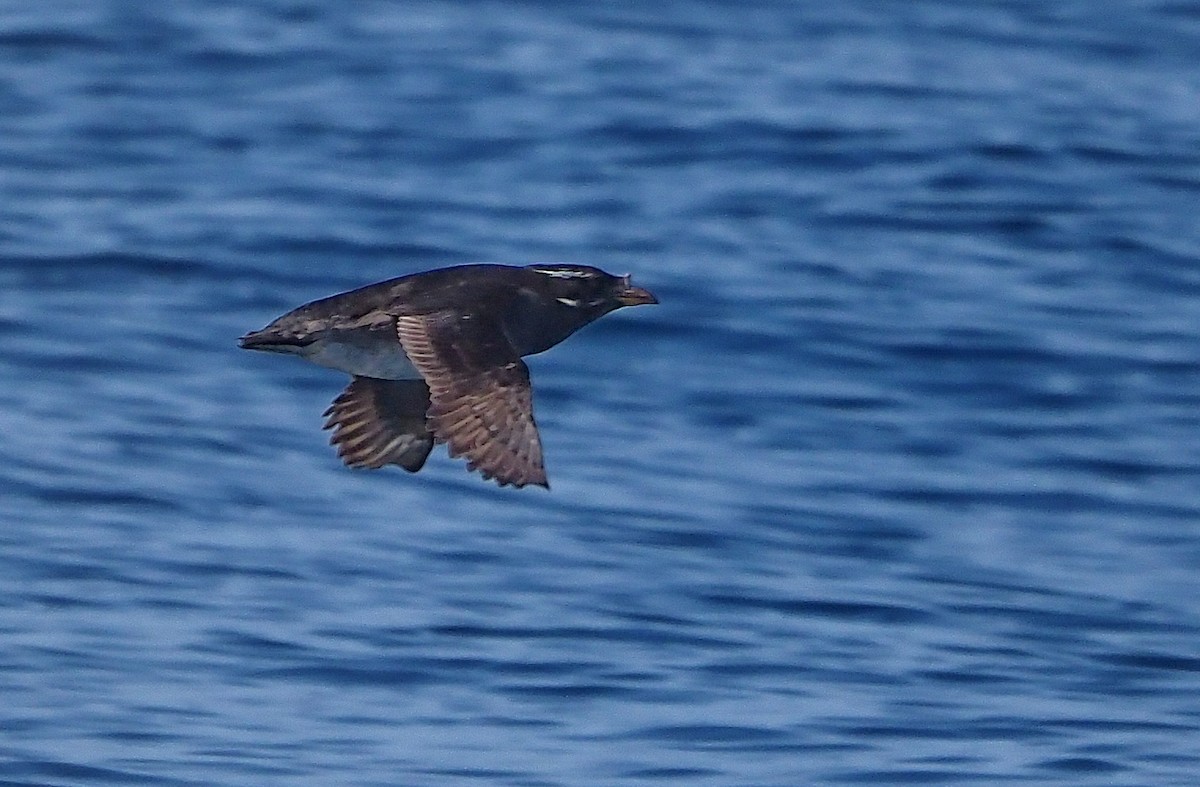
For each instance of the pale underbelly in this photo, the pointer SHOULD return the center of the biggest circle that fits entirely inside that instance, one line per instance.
(385, 362)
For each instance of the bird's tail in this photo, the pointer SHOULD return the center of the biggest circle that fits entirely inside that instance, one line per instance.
(272, 341)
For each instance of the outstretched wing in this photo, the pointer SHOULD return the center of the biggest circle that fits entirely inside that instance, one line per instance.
(380, 422)
(481, 404)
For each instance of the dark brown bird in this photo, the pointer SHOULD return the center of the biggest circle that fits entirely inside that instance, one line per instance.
(436, 357)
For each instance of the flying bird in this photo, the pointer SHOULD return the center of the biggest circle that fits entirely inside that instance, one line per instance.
(435, 357)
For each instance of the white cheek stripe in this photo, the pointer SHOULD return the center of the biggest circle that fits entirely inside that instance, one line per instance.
(564, 274)
(568, 301)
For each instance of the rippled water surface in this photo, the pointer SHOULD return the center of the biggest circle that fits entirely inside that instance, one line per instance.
(900, 483)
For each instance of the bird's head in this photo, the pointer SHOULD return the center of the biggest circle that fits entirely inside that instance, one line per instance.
(588, 291)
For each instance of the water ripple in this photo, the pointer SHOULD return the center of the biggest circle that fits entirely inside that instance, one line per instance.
(895, 486)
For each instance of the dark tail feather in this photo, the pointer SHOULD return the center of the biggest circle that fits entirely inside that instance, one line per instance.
(271, 342)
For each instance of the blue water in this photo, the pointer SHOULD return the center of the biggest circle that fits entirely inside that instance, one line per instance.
(899, 485)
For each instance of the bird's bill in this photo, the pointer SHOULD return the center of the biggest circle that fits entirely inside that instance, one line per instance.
(629, 295)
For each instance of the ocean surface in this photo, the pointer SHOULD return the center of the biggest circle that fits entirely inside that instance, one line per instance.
(899, 485)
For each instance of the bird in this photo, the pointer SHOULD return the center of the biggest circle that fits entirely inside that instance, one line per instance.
(435, 357)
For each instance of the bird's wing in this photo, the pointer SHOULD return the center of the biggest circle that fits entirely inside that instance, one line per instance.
(481, 404)
(380, 422)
